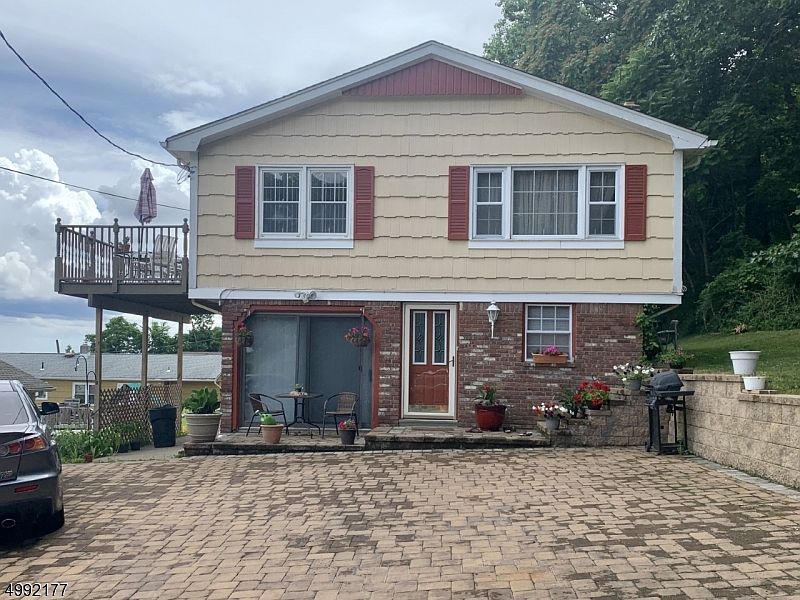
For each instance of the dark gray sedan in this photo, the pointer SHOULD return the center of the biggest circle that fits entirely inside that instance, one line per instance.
(31, 493)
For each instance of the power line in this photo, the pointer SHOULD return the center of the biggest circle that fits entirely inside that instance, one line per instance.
(80, 187)
(77, 114)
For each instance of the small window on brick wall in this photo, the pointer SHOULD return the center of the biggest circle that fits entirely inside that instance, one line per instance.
(548, 325)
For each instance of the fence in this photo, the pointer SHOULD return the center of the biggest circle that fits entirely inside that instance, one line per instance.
(71, 416)
(127, 406)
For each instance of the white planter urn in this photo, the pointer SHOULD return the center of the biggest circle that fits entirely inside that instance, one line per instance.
(753, 383)
(203, 428)
(744, 361)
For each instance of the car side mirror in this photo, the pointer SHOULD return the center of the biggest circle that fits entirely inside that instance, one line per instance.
(49, 408)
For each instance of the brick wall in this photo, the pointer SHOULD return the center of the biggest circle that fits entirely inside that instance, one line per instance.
(604, 335)
(757, 433)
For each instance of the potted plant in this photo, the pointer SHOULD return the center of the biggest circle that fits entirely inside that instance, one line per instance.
(676, 358)
(358, 336)
(552, 412)
(201, 409)
(297, 389)
(744, 361)
(594, 395)
(489, 413)
(271, 430)
(244, 335)
(633, 375)
(754, 383)
(550, 356)
(347, 432)
(137, 436)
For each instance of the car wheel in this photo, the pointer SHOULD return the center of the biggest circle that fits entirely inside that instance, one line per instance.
(54, 522)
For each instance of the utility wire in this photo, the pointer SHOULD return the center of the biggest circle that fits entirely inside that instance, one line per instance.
(80, 187)
(77, 114)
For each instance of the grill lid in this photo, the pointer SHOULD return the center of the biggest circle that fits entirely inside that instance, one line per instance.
(666, 381)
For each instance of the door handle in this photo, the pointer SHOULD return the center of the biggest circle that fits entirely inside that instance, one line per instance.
(452, 361)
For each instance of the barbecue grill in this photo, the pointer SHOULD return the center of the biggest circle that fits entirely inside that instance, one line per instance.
(665, 390)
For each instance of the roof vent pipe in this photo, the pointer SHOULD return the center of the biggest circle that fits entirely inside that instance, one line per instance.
(632, 105)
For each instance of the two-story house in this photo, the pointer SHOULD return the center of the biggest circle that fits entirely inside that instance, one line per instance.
(409, 195)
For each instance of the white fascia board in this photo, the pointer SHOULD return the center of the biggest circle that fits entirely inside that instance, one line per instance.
(193, 163)
(189, 141)
(266, 295)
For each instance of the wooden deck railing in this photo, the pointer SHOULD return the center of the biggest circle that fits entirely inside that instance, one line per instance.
(114, 254)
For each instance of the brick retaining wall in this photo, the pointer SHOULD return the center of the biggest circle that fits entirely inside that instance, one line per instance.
(757, 433)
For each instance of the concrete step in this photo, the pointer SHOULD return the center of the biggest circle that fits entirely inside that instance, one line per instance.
(429, 423)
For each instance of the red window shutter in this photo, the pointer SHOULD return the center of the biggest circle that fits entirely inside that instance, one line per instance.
(364, 203)
(458, 204)
(245, 203)
(635, 202)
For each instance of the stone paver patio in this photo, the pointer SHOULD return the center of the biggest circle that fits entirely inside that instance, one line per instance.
(542, 523)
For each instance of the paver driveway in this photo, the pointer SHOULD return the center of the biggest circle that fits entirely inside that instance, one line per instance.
(449, 524)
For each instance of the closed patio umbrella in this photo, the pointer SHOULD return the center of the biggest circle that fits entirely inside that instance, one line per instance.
(146, 208)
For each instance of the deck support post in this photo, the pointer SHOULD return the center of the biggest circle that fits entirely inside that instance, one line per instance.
(145, 344)
(180, 361)
(98, 365)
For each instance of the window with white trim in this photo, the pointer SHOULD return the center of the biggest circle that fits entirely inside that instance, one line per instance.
(79, 389)
(41, 395)
(546, 203)
(548, 325)
(305, 202)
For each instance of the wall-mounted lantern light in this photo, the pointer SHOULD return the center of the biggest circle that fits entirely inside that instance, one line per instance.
(493, 313)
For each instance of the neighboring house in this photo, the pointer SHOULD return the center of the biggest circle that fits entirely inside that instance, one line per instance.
(35, 387)
(200, 369)
(408, 196)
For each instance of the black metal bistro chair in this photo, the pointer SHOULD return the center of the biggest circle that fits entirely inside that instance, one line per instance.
(266, 405)
(343, 405)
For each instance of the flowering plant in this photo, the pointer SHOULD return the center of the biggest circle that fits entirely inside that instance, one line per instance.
(552, 351)
(347, 424)
(629, 372)
(676, 358)
(244, 335)
(486, 395)
(592, 394)
(358, 336)
(551, 410)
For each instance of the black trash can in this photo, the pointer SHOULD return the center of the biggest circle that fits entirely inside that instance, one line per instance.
(162, 419)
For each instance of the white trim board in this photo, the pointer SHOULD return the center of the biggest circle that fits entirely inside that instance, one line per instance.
(181, 144)
(221, 294)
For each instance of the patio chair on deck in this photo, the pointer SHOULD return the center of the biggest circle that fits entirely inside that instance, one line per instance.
(343, 405)
(266, 405)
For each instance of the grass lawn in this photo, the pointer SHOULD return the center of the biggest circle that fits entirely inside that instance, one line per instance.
(779, 362)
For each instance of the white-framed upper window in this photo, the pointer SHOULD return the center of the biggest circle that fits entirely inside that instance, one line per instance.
(546, 203)
(305, 202)
(548, 325)
(79, 389)
(41, 396)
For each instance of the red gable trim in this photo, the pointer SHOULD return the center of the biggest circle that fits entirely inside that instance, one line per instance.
(433, 78)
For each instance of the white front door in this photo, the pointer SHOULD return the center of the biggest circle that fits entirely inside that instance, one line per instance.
(429, 361)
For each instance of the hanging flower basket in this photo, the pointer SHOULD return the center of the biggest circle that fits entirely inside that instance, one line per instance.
(244, 335)
(358, 336)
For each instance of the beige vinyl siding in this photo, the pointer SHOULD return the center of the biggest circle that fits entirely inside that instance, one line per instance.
(412, 142)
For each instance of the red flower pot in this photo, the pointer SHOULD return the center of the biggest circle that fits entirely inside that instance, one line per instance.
(490, 418)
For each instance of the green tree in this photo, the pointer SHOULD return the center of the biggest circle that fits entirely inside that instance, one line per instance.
(728, 68)
(161, 340)
(123, 336)
(203, 336)
(119, 335)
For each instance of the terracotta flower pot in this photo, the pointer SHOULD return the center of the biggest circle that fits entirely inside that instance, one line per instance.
(490, 418)
(271, 433)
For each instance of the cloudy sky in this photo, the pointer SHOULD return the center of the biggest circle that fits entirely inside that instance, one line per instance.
(140, 72)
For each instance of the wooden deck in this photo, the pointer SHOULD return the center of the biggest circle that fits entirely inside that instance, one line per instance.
(137, 269)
